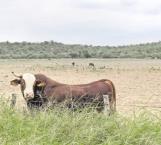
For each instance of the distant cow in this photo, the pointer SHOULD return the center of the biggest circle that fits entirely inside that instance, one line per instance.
(42, 89)
(73, 64)
(91, 64)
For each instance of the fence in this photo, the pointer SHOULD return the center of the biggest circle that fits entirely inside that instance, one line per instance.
(13, 102)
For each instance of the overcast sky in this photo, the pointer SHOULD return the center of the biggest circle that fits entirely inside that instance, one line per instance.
(96, 22)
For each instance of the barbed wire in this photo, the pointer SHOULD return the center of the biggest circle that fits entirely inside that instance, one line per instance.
(13, 101)
(141, 106)
(119, 105)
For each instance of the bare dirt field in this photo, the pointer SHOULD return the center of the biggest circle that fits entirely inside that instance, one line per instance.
(137, 82)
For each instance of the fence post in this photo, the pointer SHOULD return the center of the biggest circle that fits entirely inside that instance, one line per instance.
(13, 100)
(106, 103)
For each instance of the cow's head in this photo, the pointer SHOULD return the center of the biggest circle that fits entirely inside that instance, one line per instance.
(27, 83)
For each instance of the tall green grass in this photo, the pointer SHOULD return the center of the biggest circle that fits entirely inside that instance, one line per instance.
(64, 127)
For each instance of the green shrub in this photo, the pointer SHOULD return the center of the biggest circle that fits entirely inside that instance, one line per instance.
(58, 50)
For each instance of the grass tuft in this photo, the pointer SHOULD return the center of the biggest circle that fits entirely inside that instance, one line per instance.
(63, 127)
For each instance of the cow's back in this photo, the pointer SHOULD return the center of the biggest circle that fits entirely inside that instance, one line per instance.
(93, 88)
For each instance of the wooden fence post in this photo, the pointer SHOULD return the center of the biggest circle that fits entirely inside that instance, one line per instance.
(13, 100)
(106, 103)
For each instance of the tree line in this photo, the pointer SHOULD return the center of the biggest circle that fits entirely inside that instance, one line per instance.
(51, 49)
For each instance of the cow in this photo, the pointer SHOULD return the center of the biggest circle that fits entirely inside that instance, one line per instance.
(73, 64)
(40, 88)
(91, 64)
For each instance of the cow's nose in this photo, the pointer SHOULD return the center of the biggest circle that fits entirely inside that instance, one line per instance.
(29, 94)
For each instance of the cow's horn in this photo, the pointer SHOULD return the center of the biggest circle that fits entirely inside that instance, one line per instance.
(16, 75)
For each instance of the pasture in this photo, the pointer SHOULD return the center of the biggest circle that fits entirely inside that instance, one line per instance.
(137, 81)
(138, 89)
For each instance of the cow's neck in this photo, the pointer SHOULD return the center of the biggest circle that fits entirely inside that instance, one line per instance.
(47, 81)
(49, 87)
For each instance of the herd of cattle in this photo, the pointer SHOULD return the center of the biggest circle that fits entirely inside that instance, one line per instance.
(39, 90)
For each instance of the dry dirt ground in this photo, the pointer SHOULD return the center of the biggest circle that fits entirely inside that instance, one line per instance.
(137, 82)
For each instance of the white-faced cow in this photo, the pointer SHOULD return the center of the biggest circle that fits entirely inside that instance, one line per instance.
(38, 89)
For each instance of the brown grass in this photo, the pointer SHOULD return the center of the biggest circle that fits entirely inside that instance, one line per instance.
(137, 82)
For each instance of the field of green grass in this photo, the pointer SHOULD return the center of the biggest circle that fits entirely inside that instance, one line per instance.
(64, 127)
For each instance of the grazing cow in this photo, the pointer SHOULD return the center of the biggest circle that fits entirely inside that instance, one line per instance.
(73, 64)
(91, 64)
(42, 89)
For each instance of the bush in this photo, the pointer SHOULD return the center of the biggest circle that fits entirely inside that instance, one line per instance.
(86, 54)
(74, 55)
(48, 49)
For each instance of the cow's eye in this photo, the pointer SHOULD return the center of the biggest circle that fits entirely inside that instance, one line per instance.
(23, 84)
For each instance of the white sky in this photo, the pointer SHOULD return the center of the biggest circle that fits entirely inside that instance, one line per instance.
(96, 22)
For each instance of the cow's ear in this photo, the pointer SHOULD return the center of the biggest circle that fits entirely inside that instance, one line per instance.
(40, 84)
(15, 82)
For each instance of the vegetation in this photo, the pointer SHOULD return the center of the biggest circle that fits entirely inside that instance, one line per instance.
(51, 49)
(60, 126)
